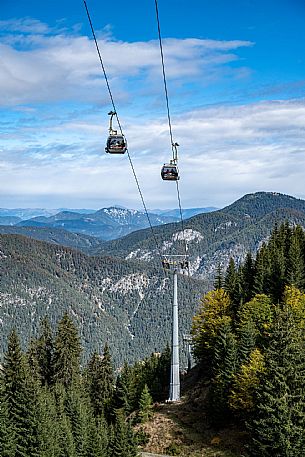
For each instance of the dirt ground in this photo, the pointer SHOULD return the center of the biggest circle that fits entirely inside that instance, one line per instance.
(182, 428)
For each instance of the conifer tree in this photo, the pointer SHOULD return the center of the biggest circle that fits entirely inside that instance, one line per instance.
(163, 375)
(78, 413)
(260, 271)
(218, 282)
(247, 336)
(125, 391)
(48, 426)
(67, 352)
(132, 447)
(123, 443)
(247, 278)
(230, 279)
(44, 352)
(233, 286)
(94, 374)
(278, 424)
(7, 435)
(100, 382)
(223, 367)
(145, 405)
(120, 442)
(64, 428)
(20, 396)
(97, 440)
(107, 380)
(295, 261)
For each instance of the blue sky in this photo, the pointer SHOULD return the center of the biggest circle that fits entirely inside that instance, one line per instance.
(236, 80)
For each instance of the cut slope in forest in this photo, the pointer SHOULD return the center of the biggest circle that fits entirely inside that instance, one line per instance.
(182, 428)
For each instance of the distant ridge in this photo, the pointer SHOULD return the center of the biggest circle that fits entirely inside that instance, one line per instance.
(212, 238)
(106, 223)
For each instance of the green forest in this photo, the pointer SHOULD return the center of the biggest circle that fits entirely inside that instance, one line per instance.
(249, 344)
(249, 340)
(51, 406)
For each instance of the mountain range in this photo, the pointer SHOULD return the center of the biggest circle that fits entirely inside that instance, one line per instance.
(105, 224)
(211, 239)
(119, 293)
(124, 303)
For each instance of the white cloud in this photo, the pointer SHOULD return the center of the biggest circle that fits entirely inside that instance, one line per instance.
(55, 157)
(225, 152)
(47, 67)
(24, 25)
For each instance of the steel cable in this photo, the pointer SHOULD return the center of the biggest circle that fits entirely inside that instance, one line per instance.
(121, 130)
(169, 118)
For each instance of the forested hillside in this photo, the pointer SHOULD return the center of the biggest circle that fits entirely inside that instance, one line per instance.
(125, 303)
(249, 341)
(85, 243)
(213, 238)
(50, 405)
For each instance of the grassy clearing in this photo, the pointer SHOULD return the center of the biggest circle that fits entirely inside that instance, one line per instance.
(182, 429)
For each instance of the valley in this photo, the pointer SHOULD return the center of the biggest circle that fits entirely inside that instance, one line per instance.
(116, 290)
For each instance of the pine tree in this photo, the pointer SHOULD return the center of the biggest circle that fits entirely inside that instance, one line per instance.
(97, 439)
(65, 438)
(230, 279)
(278, 424)
(260, 271)
(247, 278)
(107, 380)
(223, 368)
(233, 286)
(7, 435)
(120, 442)
(44, 352)
(94, 374)
(78, 412)
(125, 391)
(100, 382)
(218, 282)
(132, 448)
(295, 260)
(67, 352)
(247, 336)
(20, 396)
(145, 405)
(48, 426)
(163, 375)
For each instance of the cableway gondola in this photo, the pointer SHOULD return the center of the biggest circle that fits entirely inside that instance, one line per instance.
(116, 143)
(169, 171)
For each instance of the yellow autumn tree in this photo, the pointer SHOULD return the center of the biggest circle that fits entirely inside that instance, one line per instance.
(212, 313)
(295, 299)
(245, 382)
(258, 310)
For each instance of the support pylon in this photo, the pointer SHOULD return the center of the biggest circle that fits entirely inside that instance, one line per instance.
(174, 391)
(175, 263)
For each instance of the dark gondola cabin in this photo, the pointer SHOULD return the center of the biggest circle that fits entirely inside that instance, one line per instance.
(170, 172)
(116, 144)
